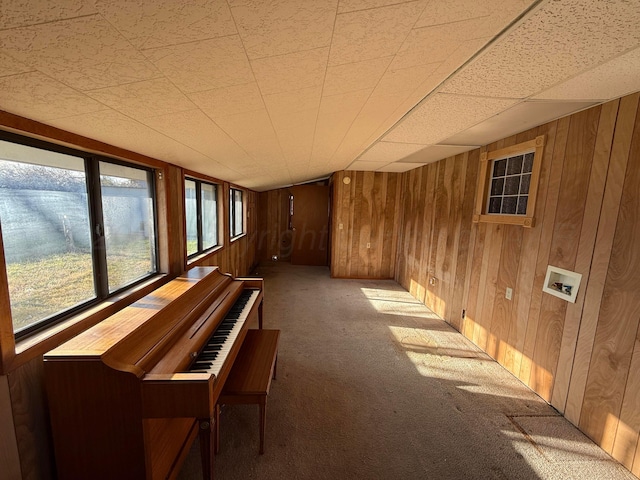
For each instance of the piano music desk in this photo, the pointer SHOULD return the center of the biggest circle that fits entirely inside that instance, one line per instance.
(250, 377)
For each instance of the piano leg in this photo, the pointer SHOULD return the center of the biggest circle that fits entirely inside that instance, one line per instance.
(263, 422)
(260, 316)
(207, 454)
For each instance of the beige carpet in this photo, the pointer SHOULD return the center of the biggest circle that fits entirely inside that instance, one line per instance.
(372, 385)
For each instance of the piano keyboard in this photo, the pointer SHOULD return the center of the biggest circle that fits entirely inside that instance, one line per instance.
(213, 355)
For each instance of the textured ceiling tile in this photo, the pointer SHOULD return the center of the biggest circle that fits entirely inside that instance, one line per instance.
(368, 34)
(306, 99)
(437, 152)
(578, 35)
(369, 118)
(351, 77)
(399, 167)
(392, 85)
(195, 129)
(442, 115)
(518, 118)
(254, 132)
(284, 26)
(10, 66)
(389, 152)
(295, 132)
(40, 97)
(21, 13)
(344, 102)
(115, 128)
(331, 129)
(84, 53)
(144, 99)
(613, 79)
(204, 65)
(220, 102)
(345, 6)
(361, 166)
(167, 22)
(337, 113)
(293, 71)
(438, 12)
(404, 80)
(435, 44)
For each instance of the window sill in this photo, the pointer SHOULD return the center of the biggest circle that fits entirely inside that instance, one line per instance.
(238, 237)
(41, 342)
(193, 261)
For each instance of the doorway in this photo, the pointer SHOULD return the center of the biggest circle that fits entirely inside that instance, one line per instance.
(309, 223)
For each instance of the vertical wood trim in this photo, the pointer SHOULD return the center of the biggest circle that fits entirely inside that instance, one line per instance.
(461, 244)
(7, 340)
(601, 255)
(471, 318)
(9, 457)
(428, 192)
(30, 420)
(586, 244)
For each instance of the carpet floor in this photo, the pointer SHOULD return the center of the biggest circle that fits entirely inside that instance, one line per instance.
(373, 385)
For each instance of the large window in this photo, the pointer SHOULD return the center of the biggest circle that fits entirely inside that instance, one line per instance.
(201, 213)
(75, 229)
(236, 212)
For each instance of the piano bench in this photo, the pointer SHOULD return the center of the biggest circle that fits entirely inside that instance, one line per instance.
(250, 377)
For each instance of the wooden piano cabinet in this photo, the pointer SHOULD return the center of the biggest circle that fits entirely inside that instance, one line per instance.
(121, 403)
(98, 422)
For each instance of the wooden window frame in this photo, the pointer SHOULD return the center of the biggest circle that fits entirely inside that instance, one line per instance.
(200, 248)
(486, 158)
(96, 227)
(232, 216)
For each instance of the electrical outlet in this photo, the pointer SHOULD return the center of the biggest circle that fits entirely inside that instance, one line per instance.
(368, 245)
(509, 293)
(340, 227)
(432, 281)
(464, 313)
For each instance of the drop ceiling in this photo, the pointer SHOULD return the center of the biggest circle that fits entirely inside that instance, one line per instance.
(271, 93)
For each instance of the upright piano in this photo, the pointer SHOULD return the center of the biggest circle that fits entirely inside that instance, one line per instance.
(128, 396)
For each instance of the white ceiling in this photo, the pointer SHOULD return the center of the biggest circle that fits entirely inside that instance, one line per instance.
(271, 93)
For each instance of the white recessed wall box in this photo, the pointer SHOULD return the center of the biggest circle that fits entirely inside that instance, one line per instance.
(562, 283)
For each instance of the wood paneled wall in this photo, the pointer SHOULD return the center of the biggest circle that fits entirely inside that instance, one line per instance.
(274, 236)
(364, 222)
(583, 357)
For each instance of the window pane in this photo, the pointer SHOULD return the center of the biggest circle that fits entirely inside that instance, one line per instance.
(129, 227)
(209, 206)
(191, 214)
(46, 232)
(499, 168)
(514, 167)
(238, 212)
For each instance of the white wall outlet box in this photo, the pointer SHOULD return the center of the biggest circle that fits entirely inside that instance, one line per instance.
(509, 293)
(562, 283)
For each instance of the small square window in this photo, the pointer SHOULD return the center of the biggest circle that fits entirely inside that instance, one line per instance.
(508, 184)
